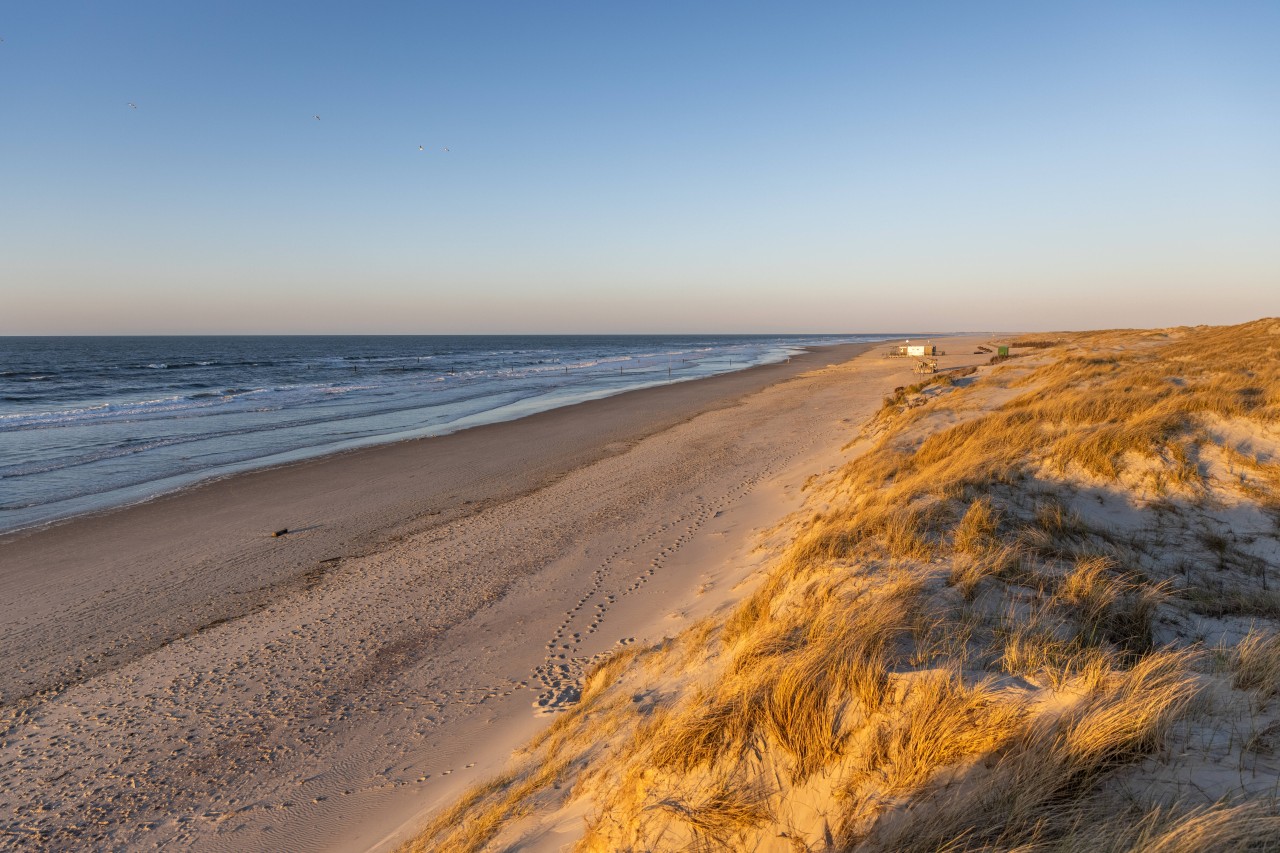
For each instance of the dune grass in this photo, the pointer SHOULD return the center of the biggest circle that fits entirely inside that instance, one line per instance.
(1044, 770)
(1257, 663)
(966, 647)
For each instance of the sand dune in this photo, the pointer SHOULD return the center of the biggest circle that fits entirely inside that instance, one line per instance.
(1036, 610)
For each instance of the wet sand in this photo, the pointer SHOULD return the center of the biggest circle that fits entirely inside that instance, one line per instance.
(176, 675)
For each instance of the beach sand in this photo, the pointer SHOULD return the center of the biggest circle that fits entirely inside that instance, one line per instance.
(177, 676)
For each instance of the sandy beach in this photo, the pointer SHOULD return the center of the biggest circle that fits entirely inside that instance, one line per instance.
(177, 676)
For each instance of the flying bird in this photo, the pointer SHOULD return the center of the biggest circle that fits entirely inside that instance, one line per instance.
(446, 149)
(420, 148)
(317, 118)
(132, 105)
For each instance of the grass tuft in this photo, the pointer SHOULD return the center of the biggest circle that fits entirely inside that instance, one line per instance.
(1256, 663)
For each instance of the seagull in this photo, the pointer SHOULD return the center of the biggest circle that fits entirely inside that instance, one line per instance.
(420, 148)
(446, 149)
(132, 105)
(317, 118)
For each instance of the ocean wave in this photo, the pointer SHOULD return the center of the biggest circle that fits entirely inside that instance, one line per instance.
(181, 365)
(227, 400)
(128, 447)
(116, 411)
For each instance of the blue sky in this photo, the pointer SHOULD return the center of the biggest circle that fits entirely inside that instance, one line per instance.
(681, 167)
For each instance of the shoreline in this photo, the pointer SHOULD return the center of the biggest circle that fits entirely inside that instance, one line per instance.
(335, 449)
(39, 513)
(391, 649)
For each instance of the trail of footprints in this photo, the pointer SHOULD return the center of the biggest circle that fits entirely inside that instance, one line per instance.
(220, 750)
(562, 672)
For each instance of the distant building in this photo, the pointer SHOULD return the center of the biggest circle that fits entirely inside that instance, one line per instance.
(909, 349)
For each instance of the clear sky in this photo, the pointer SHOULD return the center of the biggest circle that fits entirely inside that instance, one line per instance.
(632, 167)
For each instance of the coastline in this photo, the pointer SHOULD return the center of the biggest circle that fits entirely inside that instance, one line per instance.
(31, 518)
(423, 578)
(304, 456)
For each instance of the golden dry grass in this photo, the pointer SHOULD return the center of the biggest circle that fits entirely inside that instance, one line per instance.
(1046, 769)
(720, 811)
(1257, 663)
(962, 650)
(976, 532)
(939, 721)
(968, 570)
(1221, 828)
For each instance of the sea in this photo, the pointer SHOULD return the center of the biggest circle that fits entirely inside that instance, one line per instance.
(91, 423)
